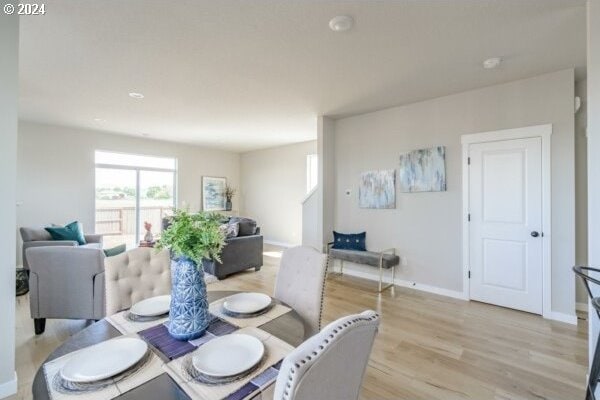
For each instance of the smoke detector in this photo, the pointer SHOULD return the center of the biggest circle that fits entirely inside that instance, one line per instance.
(492, 63)
(341, 23)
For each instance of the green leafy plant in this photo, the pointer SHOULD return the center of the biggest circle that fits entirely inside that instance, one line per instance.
(197, 236)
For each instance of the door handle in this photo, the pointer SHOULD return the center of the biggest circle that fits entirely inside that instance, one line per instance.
(535, 234)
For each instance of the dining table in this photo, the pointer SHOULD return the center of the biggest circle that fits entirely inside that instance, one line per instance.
(287, 327)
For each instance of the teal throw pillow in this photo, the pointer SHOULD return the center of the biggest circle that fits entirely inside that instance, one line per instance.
(72, 231)
(115, 250)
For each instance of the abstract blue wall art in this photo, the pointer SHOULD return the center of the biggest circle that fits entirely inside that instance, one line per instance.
(377, 189)
(213, 193)
(423, 170)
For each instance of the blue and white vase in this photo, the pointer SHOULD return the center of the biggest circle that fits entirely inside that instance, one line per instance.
(189, 316)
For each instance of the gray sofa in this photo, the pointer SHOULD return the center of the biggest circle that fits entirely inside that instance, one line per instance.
(39, 237)
(239, 254)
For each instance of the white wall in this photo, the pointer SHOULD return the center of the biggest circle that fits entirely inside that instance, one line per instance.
(9, 78)
(581, 247)
(311, 229)
(327, 178)
(593, 143)
(273, 187)
(56, 171)
(426, 227)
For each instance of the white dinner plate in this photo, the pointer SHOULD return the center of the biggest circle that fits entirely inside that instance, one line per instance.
(247, 303)
(228, 355)
(152, 307)
(104, 360)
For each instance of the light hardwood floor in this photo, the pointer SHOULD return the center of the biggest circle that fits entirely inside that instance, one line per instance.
(428, 347)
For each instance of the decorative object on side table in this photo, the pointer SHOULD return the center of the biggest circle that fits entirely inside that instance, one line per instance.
(229, 193)
(191, 238)
(213, 193)
(148, 237)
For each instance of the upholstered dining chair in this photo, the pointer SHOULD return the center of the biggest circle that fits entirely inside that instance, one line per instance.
(331, 364)
(301, 282)
(134, 276)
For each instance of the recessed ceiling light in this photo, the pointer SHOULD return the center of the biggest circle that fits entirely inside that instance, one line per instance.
(341, 23)
(98, 119)
(135, 95)
(492, 63)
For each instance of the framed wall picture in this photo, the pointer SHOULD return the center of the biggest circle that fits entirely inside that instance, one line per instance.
(423, 170)
(213, 193)
(377, 189)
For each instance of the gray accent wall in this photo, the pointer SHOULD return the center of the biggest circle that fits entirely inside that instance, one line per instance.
(425, 228)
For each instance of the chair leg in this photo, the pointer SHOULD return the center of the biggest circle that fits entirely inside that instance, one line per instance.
(381, 288)
(594, 375)
(39, 325)
(380, 274)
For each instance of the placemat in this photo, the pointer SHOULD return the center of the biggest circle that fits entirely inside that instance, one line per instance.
(159, 337)
(126, 326)
(276, 349)
(259, 384)
(148, 370)
(216, 308)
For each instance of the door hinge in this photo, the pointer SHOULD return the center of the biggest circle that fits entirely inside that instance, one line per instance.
(469, 274)
(469, 217)
(468, 160)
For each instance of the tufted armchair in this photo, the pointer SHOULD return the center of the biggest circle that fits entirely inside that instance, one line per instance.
(134, 276)
(331, 364)
(301, 283)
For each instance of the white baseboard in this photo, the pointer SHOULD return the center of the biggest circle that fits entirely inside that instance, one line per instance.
(280, 244)
(432, 289)
(8, 388)
(581, 307)
(554, 315)
(414, 285)
(562, 317)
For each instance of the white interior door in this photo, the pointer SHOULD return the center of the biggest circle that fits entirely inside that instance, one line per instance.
(505, 228)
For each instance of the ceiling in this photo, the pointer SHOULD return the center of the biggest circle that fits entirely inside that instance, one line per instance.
(243, 75)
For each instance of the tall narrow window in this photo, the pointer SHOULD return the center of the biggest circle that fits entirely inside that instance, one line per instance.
(312, 172)
(130, 190)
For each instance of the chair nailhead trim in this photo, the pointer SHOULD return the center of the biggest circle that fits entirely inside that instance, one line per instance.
(338, 331)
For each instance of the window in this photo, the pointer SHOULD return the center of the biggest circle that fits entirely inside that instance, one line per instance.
(312, 172)
(130, 190)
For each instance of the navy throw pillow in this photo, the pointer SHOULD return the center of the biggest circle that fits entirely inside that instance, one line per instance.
(72, 231)
(350, 241)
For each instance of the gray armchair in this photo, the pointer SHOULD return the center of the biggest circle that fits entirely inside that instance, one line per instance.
(65, 282)
(39, 237)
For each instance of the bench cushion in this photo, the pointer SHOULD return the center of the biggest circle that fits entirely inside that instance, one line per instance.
(365, 257)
